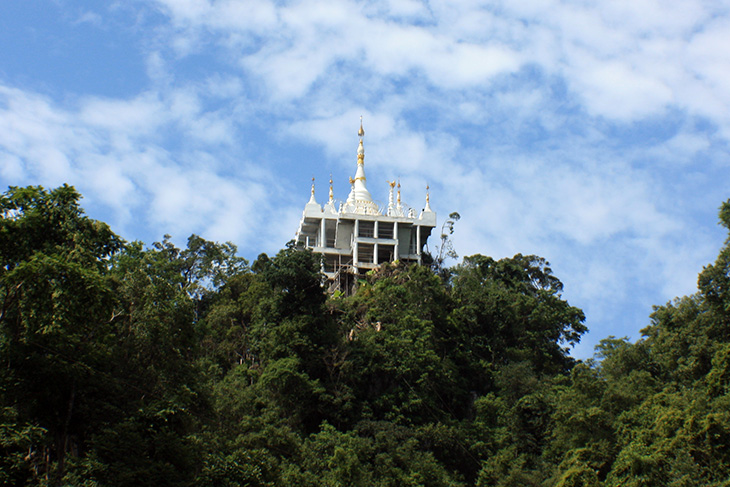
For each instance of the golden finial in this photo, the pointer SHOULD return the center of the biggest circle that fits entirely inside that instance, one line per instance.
(352, 181)
(399, 192)
(332, 194)
(392, 184)
(361, 132)
(311, 197)
(428, 196)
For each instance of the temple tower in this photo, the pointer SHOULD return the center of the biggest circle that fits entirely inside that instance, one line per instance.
(357, 235)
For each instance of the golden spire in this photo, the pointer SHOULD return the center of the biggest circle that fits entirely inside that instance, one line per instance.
(361, 196)
(311, 198)
(332, 194)
(399, 193)
(360, 149)
(428, 197)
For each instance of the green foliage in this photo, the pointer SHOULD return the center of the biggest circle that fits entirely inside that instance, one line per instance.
(511, 310)
(98, 346)
(376, 454)
(395, 326)
(714, 280)
(51, 223)
(55, 331)
(126, 365)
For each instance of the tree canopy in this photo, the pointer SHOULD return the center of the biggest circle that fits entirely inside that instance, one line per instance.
(123, 364)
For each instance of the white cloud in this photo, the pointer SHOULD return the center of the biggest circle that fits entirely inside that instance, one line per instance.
(140, 115)
(222, 14)
(403, 10)
(11, 167)
(89, 17)
(616, 90)
(112, 151)
(624, 60)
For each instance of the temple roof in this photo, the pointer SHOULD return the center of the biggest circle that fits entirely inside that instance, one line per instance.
(360, 201)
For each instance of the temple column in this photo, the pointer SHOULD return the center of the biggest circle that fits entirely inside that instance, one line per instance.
(396, 254)
(322, 234)
(356, 232)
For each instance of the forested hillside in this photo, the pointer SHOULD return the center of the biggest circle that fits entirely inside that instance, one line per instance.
(126, 365)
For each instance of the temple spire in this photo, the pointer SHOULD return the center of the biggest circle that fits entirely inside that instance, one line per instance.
(363, 200)
(391, 207)
(312, 204)
(329, 207)
(311, 198)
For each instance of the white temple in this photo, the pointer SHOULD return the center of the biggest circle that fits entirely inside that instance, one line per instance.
(357, 235)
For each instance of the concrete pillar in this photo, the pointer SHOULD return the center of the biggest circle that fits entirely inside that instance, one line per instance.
(356, 230)
(322, 233)
(376, 234)
(396, 253)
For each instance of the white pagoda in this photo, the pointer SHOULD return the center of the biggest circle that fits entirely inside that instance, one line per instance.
(356, 236)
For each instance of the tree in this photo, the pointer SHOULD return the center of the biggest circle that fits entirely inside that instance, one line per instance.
(55, 321)
(714, 280)
(511, 310)
(98, 342)
(396, 326)
(161, 294)
(446, 248)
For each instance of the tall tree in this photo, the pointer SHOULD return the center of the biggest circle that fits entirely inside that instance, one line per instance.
(512, 310)
(55, 320)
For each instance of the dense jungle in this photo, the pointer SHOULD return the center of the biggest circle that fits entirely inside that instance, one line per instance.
(130, 365)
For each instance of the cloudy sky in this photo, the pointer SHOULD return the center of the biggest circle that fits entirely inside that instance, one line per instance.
(592, 133)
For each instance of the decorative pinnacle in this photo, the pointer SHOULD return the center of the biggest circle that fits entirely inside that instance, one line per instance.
(360, 149)
(332, 194)
(311, 198)
(428, 196)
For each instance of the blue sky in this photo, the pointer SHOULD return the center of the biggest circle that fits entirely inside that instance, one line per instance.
(594, 134)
